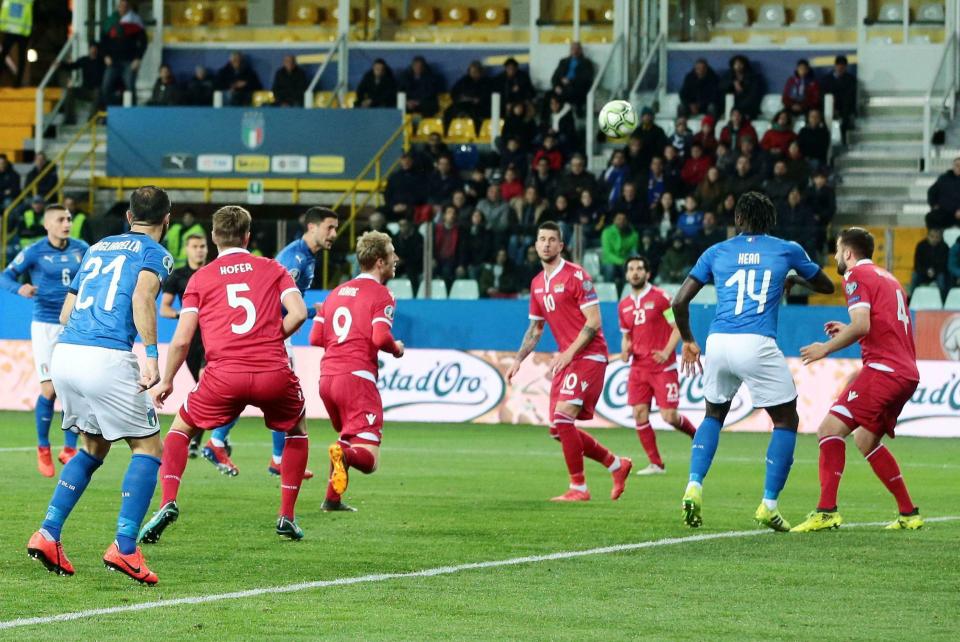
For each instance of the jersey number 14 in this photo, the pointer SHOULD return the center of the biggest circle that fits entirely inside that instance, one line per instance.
(746, 280)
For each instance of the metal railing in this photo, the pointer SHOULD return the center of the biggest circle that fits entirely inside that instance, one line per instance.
(652, 79)
(337, 50)
(940, 103)
(609, 83)
(41, 120)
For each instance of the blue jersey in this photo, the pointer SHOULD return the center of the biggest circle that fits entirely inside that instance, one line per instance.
(51, 270)
(749, 273)
(103, 313)
(300, 262)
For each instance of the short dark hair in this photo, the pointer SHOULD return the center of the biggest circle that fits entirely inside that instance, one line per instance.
(318, 215)
(190, 237)
(840, 60)
(552, 226)
(149, 205)
(859, 240)
(638, 257)
(758, 212)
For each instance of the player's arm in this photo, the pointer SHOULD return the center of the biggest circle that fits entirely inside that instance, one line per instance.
(145, 319)
(383, 338)
(530, 340)
(819, 283)
(625, 345)
(296, 309)
(176, 353)
(316, 330)
(841, 335)
(167, 311)
(67, 308)
(690, 362)
(10, 278)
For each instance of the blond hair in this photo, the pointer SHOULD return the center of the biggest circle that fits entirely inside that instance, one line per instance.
(231, 224)
(372, 246)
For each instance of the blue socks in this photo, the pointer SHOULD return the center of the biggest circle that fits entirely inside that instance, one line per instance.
(279, 438)
(779, 461)
(137, 491)
(222, 432)
(73, 481)
(43, 415)
(704, 448)
(70, 439)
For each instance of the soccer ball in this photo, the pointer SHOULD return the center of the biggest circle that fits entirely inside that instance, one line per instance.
(618, 118)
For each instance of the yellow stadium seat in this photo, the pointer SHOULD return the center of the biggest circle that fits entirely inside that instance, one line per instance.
(429, 126)
(303, 14)
(421, 15)
(586, 15)
(492, 17)
(484, 135)
(387, 14)
(333, 16)
(455, 16)
(461, 131)
(444, 100)
(227, 15)
(261, 98)
(195, 14)
(350, 99)
(323, 99)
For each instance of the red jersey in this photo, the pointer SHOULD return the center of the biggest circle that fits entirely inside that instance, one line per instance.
(559, 300)
(237, 297)
(888, 346)
(349, 314)
(646, 320)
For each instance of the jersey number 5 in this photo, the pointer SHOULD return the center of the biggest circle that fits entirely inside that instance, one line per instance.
(745, 280)
(237, 301)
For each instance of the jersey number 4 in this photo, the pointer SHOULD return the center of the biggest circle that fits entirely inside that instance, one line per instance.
(745, 280)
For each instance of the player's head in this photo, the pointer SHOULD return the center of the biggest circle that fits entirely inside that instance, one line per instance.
(149, 207)
(196, 245)
(321, 227)
(57, 221)
(637, 271)
(853, 244)
(755, 214)
(231, 227)
(376, 255)
(549, 241)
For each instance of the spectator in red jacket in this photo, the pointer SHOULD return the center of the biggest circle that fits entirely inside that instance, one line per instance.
(801, 93)
(549, 151)
(512, 186)
(737, 127)
(780, 135)
(695, 167)
(707, 136)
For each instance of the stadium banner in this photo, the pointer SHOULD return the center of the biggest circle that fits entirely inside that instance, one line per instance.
(434, 385)
(247, 143)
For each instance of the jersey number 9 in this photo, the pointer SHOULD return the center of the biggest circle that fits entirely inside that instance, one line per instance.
(342, 320)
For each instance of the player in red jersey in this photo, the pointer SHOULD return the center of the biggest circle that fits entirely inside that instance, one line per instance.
(650, 339)
(235, 301)
(880, 321)
(563, 297)
(353, 326)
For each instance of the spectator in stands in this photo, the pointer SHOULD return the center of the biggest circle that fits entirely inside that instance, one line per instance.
(930, 263)
(91, 69)
(577, 179)
(953, 263)
(706, 137)
(592, 216)
(760, 161)
(514, 86)
(814, 139)
(727, 209)
(548, 150)
(710, 191)
(433, 151)
(638, 158)
(378, 223)
(49, 181)
(166, 91)
(798, 169)
(464, 208)
(778, 186)
(471, 96)
(776, 140)
(562, 214)
(709, 235)
(124, 42)
(746, 87)
(28, 225)
(408, 245)
(653, 137)
(405, 190)
(843, 86)
(9, 182)
(656, 181)
(514, 156)
(290, 84)
(511, 187)
(573, 76)
(681, 138)
(736, 128)
(615, 176)
(695, 167)
(725, 160)
(672, 169)
(82, 227)
(238, 79)
(944, 198)
(795, 220)
(665, 214)
(690, 220)
(676, 262)
(744, 180)
(421, 87)
(822, 200)
(649, 247)
(801, 93)
(476, 245)
(200, 88)
(543, 178)
(519, 124)
(476, 185)
(526, 216)
(16, 25)
(446, 246)
(700, 92)
(377, 88)
(559, 121)
(634, 206)
(496, 212)
(618, 242)
(500, 280)
(442, 182)
(529, 268)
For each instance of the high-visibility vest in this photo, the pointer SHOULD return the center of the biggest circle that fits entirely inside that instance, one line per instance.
(16, 17)
(173, 239)
(76, 230)
(180, 258)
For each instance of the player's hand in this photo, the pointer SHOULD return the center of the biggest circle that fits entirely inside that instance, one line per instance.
(833, 328)
(27, 290)
(514, 369)
(559, 362)
(813, 352)
(788, 284)
(160, 392)
(319, 308)
(149, 375)
(660, 356)
(690, 359)
(399, 352)
(625, 357)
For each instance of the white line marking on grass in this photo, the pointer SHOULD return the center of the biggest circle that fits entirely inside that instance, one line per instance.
(383, 577)
(20, 449)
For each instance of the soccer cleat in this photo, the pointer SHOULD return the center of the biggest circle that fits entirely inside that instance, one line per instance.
(153, 529)
(49, 553)
(572, 495)
(818, 521)
(274, 470)
(45, 461)
(332, 507)
(288, 528)
(651, 469)
(132, 565)
(771, 519)
(620, 476)
(218, 457)
(339, 478)
(906, 523)
(66, 454)
(691, 505)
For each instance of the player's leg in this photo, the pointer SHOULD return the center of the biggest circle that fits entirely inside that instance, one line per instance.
(779, 460)
(832, 435)
(648, 439)
(667, 390)
(43, 338)
(887, 470)
(173, 463)
(217, 451)
(291, 478)
(705, 442)
(564, 414)
(195, 363)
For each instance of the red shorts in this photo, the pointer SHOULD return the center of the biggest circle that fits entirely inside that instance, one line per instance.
(581, 382)
(874, 400)
(643, 385)
(354, 406)
(220, 397)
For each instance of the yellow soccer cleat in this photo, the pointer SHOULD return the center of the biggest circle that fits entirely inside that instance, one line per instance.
(818, 521)
(339, 478)
(906, 523)
(772, 519)
(692, 505)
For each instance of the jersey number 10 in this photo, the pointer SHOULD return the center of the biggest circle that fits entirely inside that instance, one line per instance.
(745, 280)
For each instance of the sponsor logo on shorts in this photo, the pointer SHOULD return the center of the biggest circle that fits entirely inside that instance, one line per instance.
(852, 395)
(152, 418)
(371, 417)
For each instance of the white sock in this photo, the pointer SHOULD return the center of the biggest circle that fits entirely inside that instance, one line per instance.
(276, 460)
(771, 504)
(694, 484)
(615, 466)
(581, 487)
(217, 442)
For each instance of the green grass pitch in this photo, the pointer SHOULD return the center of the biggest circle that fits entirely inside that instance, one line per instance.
(454, 494)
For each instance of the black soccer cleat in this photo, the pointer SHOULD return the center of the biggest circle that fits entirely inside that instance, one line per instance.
(332, 507)
(152, 530)
(288, 528)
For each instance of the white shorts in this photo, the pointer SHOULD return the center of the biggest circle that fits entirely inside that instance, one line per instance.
(732, 359)
(43, 336)
(288, 344)
(99, 392)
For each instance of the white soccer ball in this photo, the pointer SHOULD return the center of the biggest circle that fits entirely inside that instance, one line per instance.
(618, 119)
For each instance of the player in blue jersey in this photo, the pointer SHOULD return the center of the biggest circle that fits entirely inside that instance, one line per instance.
(50, 267)
(101, 385)
(751, 274)
(299, 258)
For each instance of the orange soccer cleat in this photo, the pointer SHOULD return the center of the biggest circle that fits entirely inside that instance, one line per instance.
(132, 565)
(620, 476)
(66, 454)
(45, 461)
(572, 495)
(339, 478)
(49, 553)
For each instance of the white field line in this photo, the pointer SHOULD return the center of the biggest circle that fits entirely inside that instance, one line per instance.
(384, 577)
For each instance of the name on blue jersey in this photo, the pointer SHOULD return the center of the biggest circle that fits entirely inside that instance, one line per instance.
(748, 258)
(131, 245)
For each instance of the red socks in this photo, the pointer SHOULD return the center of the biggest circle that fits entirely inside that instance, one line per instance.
(360, 458)
(173, 463)
(833, 455)
(572, 447)
(885, 467)
(294, 462)
(595, 450)
(649, 441)
(687, 427)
